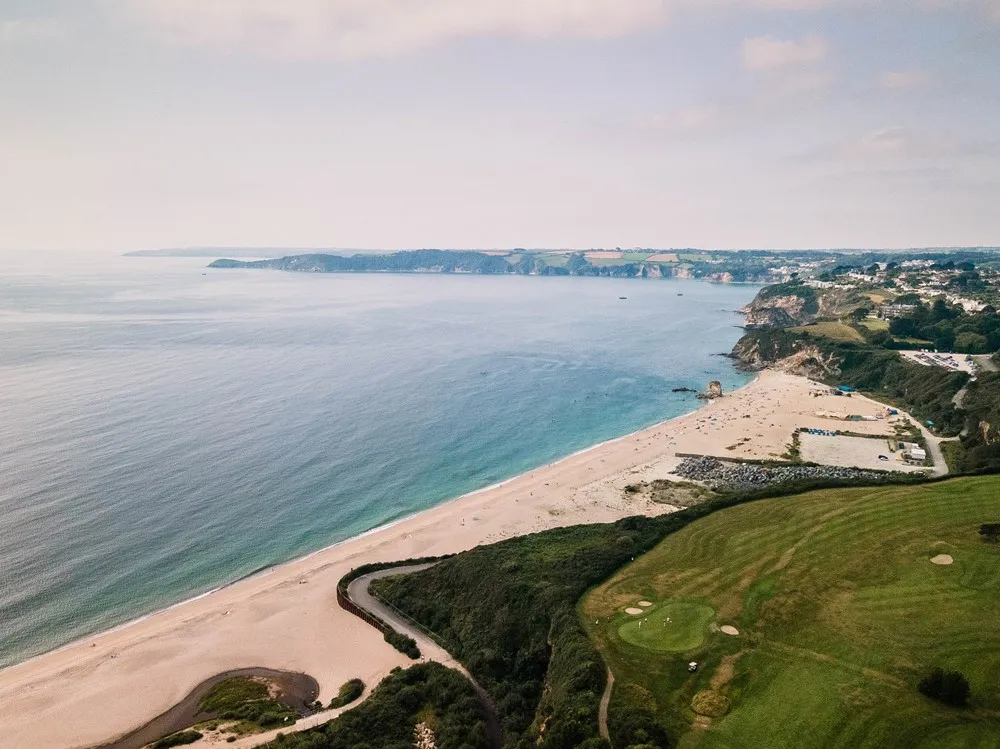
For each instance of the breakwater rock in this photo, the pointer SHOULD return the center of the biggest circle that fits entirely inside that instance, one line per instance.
(723, 474)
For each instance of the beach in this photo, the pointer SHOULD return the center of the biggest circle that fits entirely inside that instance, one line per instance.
(287, 618)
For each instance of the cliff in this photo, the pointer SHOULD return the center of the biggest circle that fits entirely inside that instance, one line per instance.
(786, 305)
(782, 306)
(785, 352)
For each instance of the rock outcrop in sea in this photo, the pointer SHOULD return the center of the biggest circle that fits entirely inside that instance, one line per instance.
(713, 391)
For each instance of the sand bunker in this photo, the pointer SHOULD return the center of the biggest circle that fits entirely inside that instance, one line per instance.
(645, 604)
(942, 559)
(633, 611)
(729, 629)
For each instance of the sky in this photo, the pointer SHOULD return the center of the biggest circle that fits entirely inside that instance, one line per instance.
(138, 124)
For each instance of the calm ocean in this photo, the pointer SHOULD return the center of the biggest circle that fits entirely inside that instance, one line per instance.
(166, 429)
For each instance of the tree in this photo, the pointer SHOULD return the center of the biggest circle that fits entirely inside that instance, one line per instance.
(949, 687)
(990, 532)
(859, 314)
(971, 343)
(940, 310)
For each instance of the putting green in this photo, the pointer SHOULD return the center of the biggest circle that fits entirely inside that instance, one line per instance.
(674, 627)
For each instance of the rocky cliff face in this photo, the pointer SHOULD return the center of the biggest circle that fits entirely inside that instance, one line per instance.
(776, 312)
(789, 304)
(756, 351)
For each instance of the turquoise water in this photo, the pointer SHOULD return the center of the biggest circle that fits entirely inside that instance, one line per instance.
(166, 429)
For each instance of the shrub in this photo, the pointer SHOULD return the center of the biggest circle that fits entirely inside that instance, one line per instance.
(402, 643)
(177, 739)
(990, 532)
(349, 692)
(949, 687)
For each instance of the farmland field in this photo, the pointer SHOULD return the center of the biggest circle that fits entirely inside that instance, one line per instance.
(835, 613)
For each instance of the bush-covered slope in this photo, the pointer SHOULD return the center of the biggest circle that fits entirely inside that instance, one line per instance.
(507, 612)
(429, 693)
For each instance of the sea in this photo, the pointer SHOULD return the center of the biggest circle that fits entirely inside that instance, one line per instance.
(167, 429)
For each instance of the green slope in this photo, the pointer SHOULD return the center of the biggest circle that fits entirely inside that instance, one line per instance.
(840, 613)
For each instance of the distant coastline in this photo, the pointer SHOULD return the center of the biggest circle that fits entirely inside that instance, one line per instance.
(616, 264)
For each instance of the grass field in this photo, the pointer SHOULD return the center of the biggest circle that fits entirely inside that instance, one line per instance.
(835, 331)
(840, 613)
(875, 324)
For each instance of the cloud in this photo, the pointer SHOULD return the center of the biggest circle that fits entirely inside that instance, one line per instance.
(367, 28)
(684, 122)
(901, 144)
(24, 30)
(364, 28)
(903, 80)
(988, 8)
(768, 53)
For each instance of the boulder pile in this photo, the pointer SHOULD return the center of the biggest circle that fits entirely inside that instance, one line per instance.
(721, 474)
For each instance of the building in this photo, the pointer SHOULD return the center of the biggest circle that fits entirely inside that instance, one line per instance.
(890, 311)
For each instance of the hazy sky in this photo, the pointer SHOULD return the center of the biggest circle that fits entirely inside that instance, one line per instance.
(129, 124)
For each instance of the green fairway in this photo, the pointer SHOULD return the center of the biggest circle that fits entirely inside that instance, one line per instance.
(840, 613)
(674, 627)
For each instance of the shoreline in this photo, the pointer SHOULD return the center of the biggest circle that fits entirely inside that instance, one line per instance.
(286, 618)
(388, 525)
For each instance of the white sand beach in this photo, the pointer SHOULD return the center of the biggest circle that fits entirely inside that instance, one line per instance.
(287, 618)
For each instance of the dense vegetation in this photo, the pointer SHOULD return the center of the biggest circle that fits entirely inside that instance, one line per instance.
(839, 615)
(349, 691)
(182, 738)
(428, 692)
(981, 438)
(947, 328)
(949, 687)
(507, 612)
(247, 699)
(403, 643)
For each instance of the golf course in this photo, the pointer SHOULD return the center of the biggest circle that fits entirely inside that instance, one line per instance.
(812, 619)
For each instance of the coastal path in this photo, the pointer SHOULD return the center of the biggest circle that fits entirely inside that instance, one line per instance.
(602, 712)
(359, 594)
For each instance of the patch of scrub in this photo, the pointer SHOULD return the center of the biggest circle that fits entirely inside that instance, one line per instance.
(674, 627)
(942, 559)
(710, 704)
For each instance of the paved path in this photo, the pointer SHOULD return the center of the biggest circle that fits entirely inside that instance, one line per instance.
(357, 591)
(934, 449)
(602, 713)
